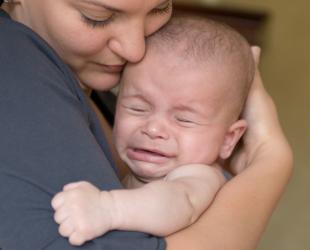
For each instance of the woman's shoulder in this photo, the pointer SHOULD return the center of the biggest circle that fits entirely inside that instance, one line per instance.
(22, 43)
(15, 36)
(26, 57)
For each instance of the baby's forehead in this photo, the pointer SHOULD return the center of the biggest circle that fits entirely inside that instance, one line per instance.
(175, 66)
(184, 54)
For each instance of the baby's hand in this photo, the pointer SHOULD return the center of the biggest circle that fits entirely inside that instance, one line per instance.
(83, 212)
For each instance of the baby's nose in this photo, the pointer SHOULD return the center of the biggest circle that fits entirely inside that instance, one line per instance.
(156, 129)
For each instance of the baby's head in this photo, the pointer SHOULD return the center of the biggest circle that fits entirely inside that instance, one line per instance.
(181, 103)
(213, 47)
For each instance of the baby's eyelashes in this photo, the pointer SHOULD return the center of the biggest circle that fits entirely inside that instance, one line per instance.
(136, 110)
(186, 121)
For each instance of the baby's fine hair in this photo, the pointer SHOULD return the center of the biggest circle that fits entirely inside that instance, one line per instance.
(202, 40)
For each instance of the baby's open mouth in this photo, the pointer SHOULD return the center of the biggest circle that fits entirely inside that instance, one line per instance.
(148, 155)
(152, 152)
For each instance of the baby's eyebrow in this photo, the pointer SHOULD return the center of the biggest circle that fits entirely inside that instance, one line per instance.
(132, 96)
(186, 108)
(135, 96)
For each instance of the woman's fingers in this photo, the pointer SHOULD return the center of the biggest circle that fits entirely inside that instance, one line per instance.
(256, 54)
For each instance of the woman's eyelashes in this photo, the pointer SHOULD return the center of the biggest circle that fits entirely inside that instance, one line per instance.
(96, 22)
(164, 9)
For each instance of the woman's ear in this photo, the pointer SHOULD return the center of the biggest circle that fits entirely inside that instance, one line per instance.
(233, 134)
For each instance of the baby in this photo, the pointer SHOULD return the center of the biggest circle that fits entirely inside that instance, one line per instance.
(177, 118)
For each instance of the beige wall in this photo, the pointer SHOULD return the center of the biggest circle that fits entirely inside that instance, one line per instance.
(286, 71)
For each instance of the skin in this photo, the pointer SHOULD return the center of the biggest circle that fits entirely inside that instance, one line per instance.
(97, 37)
(163, 122)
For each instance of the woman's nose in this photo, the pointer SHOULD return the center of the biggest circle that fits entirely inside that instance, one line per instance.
(129, 43)
(156, 129)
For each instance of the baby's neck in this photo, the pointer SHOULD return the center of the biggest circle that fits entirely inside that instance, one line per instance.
(131, 181)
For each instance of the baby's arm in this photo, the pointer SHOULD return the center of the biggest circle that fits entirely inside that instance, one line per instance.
(164, 207)
(160, 207)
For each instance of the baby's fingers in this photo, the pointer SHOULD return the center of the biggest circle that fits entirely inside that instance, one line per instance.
(66, 228)
(76, 239)
(60, 216)
(57, 201)
(72, 185)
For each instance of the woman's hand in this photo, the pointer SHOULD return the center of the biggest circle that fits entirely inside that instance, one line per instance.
(264, 132)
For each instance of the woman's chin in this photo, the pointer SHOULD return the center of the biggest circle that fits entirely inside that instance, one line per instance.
(102, 82)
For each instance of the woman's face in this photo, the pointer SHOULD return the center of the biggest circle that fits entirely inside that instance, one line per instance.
(96, 37)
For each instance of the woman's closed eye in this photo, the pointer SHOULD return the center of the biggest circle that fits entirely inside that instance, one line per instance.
(97, 22)
(162, 9)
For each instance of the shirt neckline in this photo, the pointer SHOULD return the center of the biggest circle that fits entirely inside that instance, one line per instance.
(4, 14)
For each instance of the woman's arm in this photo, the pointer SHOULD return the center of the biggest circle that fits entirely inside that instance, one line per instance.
(242, 208)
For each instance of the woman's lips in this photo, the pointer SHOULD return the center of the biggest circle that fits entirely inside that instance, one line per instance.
(147, 155)
(113, 69)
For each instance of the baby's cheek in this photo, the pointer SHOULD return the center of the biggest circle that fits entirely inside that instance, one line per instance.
(121, 137)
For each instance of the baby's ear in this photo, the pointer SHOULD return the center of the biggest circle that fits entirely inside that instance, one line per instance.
(233, 134)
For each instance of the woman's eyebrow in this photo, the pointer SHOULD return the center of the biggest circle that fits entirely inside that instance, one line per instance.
(100, 4)
(163, 3)
(111, 8)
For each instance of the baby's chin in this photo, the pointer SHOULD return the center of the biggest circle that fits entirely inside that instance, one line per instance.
(148, 172)
(144, 180)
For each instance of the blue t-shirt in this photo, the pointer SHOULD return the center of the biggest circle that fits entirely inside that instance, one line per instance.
(49, 136)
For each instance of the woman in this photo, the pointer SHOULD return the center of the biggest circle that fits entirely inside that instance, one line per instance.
(50, 136)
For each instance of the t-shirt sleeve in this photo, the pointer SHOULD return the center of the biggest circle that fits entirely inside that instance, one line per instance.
(46, 141)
